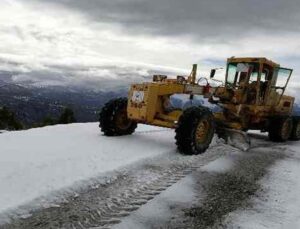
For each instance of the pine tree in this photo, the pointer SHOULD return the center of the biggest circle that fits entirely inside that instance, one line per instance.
(48, 121)
(67, 116)
(8, 120)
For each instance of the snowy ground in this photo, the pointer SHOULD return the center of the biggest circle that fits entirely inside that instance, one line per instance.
(73, 177)
(278, 204)
(211, 192)
(158, 210)
(36, 162)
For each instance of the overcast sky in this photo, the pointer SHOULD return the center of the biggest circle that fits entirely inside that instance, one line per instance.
(87, 38)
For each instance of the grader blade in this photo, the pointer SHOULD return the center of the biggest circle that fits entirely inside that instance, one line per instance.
(236, 138)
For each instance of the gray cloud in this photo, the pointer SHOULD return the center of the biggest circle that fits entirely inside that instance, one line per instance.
(97, 78)
(64, 41)
(214, 19)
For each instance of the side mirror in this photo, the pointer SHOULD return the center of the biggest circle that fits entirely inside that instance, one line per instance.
(212, 73)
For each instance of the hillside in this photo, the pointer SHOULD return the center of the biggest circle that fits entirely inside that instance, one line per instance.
(32, 104)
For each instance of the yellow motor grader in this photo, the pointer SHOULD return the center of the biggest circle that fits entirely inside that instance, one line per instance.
(251, 98)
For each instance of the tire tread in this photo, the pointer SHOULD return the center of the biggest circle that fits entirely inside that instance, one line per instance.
(107, 117)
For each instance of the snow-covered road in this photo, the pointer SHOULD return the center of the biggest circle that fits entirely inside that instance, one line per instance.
(73, 177)
(36, 162)
(277, 205)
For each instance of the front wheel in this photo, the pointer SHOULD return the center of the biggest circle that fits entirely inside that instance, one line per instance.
(114, 120)
(195, 130)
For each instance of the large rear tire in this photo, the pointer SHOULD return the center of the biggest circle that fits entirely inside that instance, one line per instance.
(195, 130)
(114, 120)
(280, 129)
(295, 135)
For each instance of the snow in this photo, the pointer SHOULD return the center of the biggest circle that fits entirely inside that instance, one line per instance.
(279, 206)
(159, 209)
(39, 161)
(219, 165)
(183, 101)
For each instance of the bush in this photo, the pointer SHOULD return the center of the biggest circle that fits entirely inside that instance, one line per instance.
(67, 116)
(48, 121)
(8, 120)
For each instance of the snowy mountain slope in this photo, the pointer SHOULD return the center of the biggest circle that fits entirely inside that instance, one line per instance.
(39, 161)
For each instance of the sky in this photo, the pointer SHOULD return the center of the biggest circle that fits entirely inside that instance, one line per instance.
(64, 41)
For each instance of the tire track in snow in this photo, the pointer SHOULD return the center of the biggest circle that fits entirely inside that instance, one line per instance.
(122, 205)
(104, 205)
(153, 131)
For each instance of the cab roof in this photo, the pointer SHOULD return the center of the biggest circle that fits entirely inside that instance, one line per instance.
(260, 60)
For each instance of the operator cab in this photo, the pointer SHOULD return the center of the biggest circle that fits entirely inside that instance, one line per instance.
(253, 80)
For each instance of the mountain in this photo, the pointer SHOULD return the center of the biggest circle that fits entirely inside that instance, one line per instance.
(32, 104)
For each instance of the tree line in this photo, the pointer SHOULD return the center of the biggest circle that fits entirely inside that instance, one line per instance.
(8, 120)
